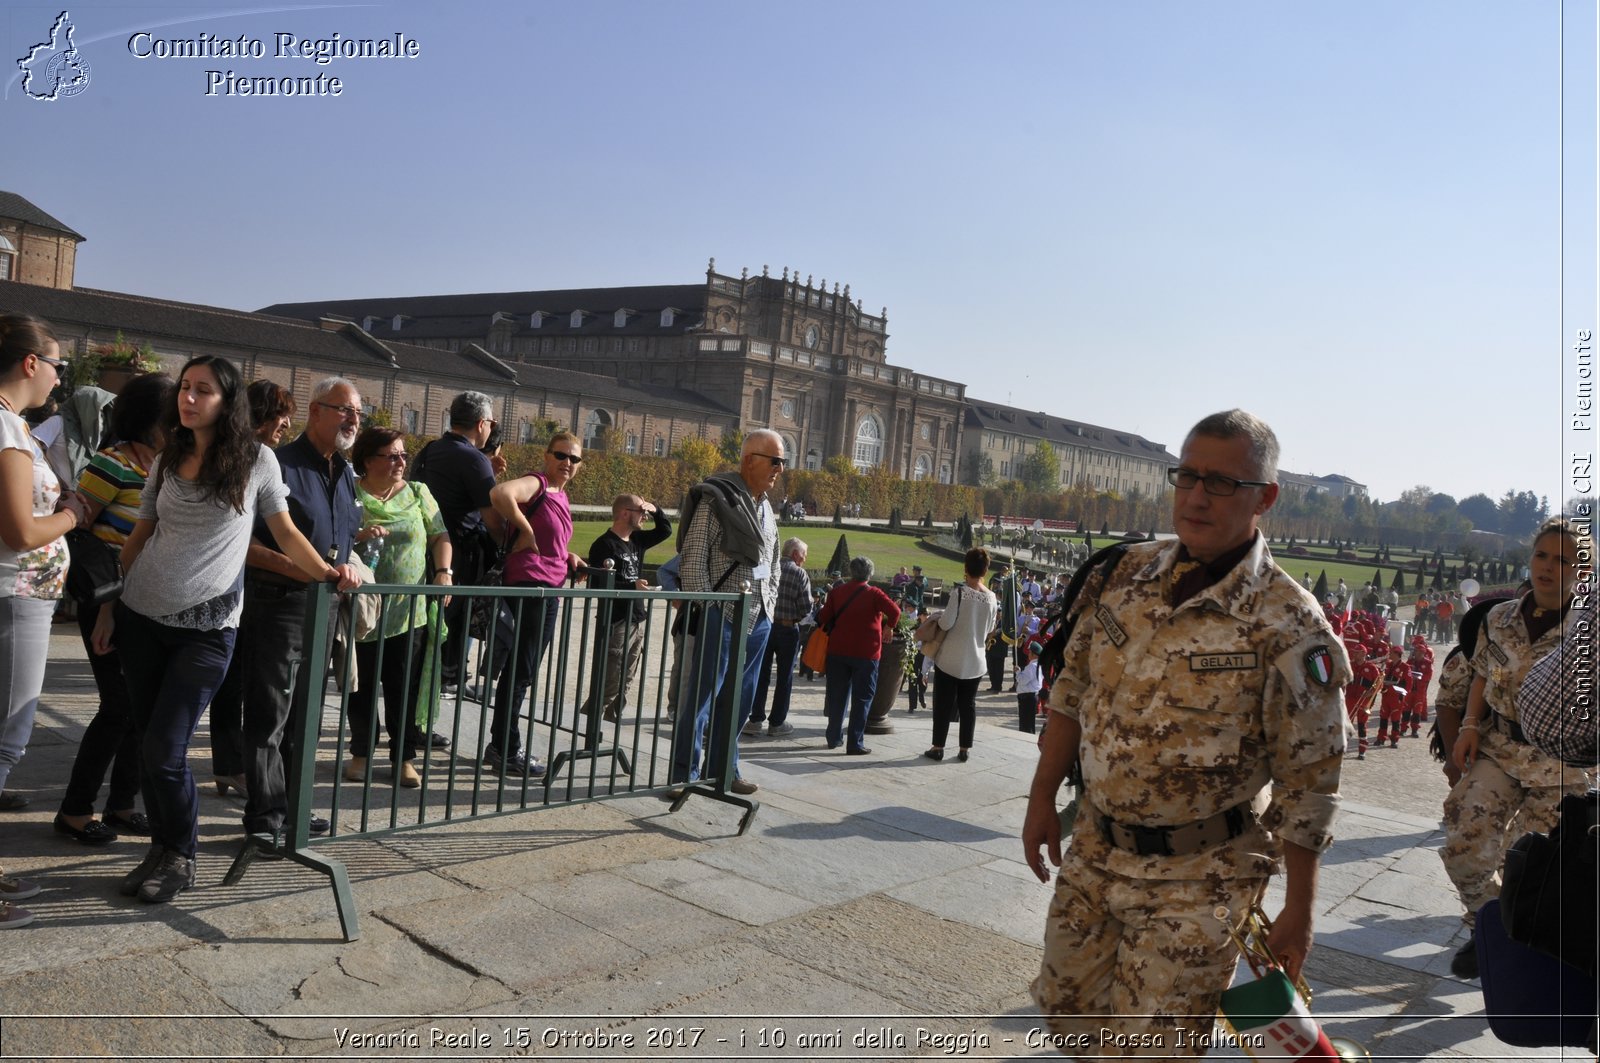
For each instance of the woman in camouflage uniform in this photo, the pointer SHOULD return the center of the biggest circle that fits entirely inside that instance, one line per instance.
(1504, 780)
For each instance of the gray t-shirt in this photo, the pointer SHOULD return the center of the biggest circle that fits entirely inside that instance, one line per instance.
(188, 573)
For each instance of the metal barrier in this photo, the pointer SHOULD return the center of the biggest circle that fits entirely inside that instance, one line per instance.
(587, 756)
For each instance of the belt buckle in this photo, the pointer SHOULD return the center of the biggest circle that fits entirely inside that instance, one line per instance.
(1151, 841)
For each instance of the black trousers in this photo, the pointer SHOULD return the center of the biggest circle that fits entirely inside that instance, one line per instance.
(110, 741)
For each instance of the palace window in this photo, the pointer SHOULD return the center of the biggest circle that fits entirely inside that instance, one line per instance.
(8, 254)
(922, 468)
(869, 443)
(661, 447)
(594, 428)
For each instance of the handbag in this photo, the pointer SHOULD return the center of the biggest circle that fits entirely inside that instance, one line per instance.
(94, 575)
(364, 608)
(815, 656)
(930, 634)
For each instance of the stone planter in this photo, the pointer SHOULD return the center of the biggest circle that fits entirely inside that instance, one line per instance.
(890, 676)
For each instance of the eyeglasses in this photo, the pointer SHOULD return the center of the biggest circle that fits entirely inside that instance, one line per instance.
(343, 411)
(777, 462)
(1215, 483)
(390, 457)
(561, 455)
(635, 509)
(60, 364)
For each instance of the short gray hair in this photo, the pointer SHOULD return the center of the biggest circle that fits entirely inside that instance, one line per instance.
(1238, 424)
(861, 568)
(470, 407)
(753, 440)
(325, 387)
(793, 543)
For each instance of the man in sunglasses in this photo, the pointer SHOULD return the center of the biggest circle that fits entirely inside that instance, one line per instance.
(1200, 697)
(729, 539)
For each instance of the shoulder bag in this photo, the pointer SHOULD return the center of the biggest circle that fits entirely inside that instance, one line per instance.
(930, 634)
(816, 654)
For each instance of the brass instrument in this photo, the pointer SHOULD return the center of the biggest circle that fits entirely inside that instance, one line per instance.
(1251, 937)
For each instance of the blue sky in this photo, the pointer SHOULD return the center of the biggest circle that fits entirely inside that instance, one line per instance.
(1342, 215)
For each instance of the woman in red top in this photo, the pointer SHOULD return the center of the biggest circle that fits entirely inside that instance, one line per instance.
(855, 616)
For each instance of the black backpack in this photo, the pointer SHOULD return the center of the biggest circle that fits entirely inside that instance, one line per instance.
(1065, 618)
(1547, 895)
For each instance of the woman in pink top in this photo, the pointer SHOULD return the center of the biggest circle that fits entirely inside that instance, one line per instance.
(535, 509)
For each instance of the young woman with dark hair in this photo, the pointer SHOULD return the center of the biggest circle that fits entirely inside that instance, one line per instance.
(34, 517)
(182, 595)
(111, 486)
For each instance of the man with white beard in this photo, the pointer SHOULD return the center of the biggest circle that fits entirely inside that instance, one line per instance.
(322, 502)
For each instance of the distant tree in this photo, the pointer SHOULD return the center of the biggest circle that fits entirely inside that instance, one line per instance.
(1439, 502)
(1040, 470)
(1481, 511)
(701, 457)
(1398, 584)
(1320, 591)
(729, 446)
(1520, 512)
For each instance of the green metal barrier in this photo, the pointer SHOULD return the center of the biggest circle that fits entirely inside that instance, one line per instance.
(587, 757)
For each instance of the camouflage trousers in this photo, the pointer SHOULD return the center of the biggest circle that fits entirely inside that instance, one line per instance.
(1510, 790)
(1134, 967)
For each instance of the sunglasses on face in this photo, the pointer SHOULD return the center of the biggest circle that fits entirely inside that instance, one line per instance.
(777, 462)
(561, 455)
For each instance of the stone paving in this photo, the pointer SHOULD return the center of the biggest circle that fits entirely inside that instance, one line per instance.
(878, 908)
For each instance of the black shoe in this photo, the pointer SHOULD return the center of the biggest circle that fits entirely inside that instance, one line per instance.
(857, 751)
(962, 756)
(514, 764)
(91, 833)
(933, 754)
(137, 823)
(10, 802)
(134, 879)
(319, 826)
(173, 874)
(1464, 964)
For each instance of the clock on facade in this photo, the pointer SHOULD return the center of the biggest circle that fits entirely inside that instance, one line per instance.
(812, 335)
(787, 408)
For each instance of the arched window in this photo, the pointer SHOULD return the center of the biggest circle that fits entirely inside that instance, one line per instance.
(594, 430)
(869, 443)
(758, 405)
(813, 459)
(789, 449)
(922, 468)
(661, 447)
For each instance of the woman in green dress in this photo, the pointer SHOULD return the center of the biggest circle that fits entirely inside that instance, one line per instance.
(401, 529)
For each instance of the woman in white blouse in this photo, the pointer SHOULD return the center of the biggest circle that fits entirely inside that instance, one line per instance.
(960, 663)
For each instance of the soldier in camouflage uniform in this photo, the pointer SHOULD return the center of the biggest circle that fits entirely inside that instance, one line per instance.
(1201, 694)
(1507, 786)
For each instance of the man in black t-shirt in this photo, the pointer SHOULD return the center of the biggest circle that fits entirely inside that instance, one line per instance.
(623, 545)
(459, 476)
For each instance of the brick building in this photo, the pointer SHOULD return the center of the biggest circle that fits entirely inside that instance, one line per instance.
(1106, 459)
(788, 355)
(34, 247)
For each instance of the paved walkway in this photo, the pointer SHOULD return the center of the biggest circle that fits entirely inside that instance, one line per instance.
(878, 908)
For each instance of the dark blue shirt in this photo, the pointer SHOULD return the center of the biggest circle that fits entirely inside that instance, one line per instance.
(459, 477)
(322, 500)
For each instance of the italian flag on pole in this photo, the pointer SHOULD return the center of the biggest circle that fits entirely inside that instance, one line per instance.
(1272, 1022)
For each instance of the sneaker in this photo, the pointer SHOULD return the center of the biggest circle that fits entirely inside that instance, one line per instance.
(741, 786)
(12, 917)
(12, 802)
(752, 729)
(515, 765)
(17, 889)
(134, 879)
(173, 875)
(778, 730)
(1464, 964)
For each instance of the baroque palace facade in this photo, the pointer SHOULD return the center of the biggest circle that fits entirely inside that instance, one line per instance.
(787, 355)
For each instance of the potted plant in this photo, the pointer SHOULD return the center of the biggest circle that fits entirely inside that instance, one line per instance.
(119, 361)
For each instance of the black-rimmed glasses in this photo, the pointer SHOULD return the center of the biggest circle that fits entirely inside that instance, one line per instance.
(777, 462)
(342, 411)
(1214, 482)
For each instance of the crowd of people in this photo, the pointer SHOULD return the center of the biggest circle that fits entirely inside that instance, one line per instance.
(1202, 707)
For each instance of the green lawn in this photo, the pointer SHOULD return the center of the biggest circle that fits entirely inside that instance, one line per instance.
(888, 552)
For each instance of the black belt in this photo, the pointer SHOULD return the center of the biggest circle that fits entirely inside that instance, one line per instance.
(1512, 729)
(1180, 840)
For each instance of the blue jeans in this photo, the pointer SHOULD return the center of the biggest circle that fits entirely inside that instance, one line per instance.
(855, 678)
(172, 672)
(708, 666)
(781, 646)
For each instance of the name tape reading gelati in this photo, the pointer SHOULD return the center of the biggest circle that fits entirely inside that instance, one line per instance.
(280, 46)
